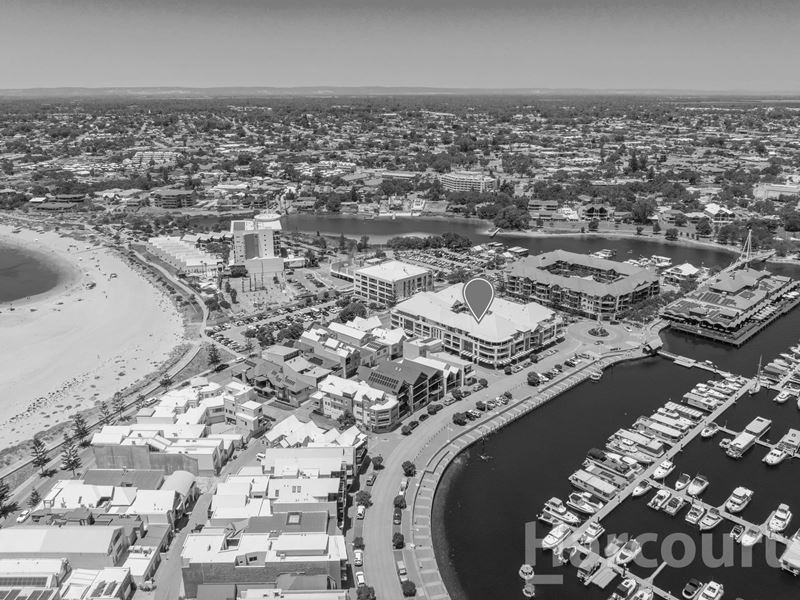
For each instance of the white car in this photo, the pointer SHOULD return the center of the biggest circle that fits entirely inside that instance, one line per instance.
(358, 558)
(360, 580)
(361, 511)
(23, 516)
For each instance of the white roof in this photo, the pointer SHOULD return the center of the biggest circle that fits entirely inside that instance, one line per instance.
(393, 270)
(504, 319)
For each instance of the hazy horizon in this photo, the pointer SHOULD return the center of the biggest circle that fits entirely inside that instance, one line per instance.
(709, 46)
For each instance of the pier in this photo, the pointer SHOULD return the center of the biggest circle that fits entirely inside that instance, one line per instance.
(608, 564)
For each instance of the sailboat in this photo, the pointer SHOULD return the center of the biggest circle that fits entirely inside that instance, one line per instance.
(756, 387)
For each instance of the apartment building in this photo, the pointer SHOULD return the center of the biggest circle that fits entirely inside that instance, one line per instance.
(257, 243)
(391, 282)
(411, 384)
(373, 409)
(467, 181)
(582, 284)
(508, 332)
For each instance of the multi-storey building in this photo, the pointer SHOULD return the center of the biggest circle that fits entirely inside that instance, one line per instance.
(508, 332)
(374, 409)
(391, 281)
(257, 243)
(467, 181)
(579, 283)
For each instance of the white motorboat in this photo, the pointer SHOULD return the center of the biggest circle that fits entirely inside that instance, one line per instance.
(625, 590)
(643, 594)
(783, 397)
(712, 591)
(557, 535)
(592, 533)
(775, 457)
(613, 546)
(628, 552)
(674, 505)
(780, 519)
(736, 532)
(725, 443)
(691, 589)
(697, 486)
(584, 502)
(683, 480)
(711, 519)
(709, 430)
(750, 537)
(738, 500)
(664, 469)
(659, 500)
(642, 488)
(555, 508)
(695, 514)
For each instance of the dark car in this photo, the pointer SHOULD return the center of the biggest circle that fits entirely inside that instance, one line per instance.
(508, 371)
(398, 516)
(413, 425)
(423, 416)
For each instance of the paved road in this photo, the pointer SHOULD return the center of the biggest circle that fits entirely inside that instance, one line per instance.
(379, 557)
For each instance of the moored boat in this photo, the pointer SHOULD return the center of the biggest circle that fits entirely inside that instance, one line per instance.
(691, 589)
(555, 508)
(738, 500)
(682, 481)
(750, 537)
(628, 552)
(584, 502)
(736, 532)
(775, 457)
(674, 505)
(712, 591)
(780, 519)
(697, 486)
(695, 514)
(659, 500)
(709, 430)
(710, 520)
(592, 533)
(557, 535)
(665, 468)
(642, 488)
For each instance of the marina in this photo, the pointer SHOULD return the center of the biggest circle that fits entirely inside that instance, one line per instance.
(664, 436)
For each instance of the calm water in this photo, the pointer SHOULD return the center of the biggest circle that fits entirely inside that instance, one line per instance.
(24, 274)
(532, 459)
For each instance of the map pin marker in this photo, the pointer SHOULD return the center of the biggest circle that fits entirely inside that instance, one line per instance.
(478, 296)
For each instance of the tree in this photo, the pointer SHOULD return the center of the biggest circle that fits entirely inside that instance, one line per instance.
(234, 295)
(656, 227)
(400, 501)
(409, 588)
(358, 543)
(79, 428)
(365, 593)
(377, 462)
(681, 220)
(593, 225)
(482, 382)
(460, 418)
(346, 420)
(70, 459)
(34, 499)
(117, 403)
(104, 414)
(40, 459)
(398, 540)
(409, 468)
(533, 378)
(311, 257)
(363, 243)
(6, 507)
(165, 381)
(363, 497)
(457, 394)
(140, 402)
(703, 228)
(212, 354)
(671, 234)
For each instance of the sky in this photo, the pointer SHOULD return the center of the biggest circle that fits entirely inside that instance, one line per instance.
(704, 45)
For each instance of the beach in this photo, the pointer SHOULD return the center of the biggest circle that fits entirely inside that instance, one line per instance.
(102, 328)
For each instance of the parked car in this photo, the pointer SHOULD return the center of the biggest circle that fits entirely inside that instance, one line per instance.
(371, 478)
(361, 511)
(358, 558)
(413, 425)
(361, 581)
(398, 516)
(23, 516)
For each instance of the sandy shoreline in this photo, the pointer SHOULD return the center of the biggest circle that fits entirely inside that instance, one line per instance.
(92, 335)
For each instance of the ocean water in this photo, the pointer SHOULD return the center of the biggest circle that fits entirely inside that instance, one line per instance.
(24, 274)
